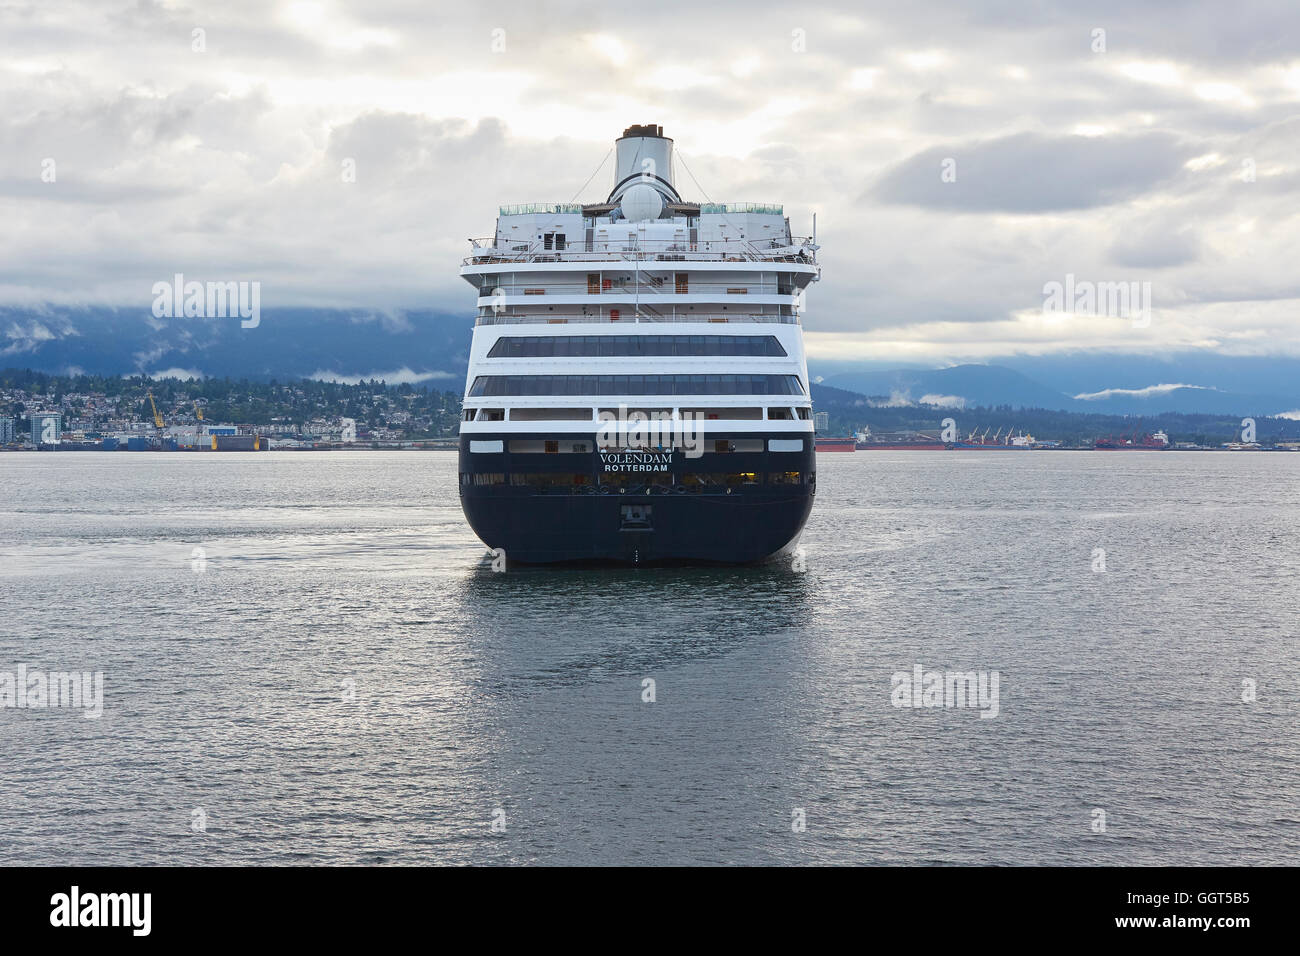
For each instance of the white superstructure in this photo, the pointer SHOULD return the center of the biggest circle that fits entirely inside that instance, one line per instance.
(628, 291)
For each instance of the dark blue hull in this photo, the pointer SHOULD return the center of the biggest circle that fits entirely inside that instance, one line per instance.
(721, 507)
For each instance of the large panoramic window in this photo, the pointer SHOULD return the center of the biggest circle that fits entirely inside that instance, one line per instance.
(517, 385)
(546, 346)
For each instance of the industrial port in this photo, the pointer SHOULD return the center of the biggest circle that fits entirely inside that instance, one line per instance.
(990, 440)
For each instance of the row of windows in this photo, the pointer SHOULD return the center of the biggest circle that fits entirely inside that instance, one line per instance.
(688, 481)
(546, 346)
(694, 447)
(721, 446)
(577, 414)
(496, 385)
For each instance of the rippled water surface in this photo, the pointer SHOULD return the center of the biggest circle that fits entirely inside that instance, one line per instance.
(344, 679)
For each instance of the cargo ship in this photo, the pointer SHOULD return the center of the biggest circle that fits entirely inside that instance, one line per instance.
(224, 438)
(837, 444)
(901, 446)
(1157, 441)
(1012, 442)
(899, 441)
(637, 390)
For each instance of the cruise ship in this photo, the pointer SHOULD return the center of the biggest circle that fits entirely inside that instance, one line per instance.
(637, 389)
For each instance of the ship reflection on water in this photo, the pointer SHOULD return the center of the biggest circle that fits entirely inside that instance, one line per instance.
(556, 626)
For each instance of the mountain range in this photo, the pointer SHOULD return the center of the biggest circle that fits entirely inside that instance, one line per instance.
(1088, 383)
(431, 347)
(326, 344)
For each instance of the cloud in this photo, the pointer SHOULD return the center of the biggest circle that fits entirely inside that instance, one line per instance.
(1034, 173)
(151, 355)
(184, 374)
(231, 162)
(401, 376)
(1147, 392)
(902, 398)
(394, 322)
(26, 338)
(944, 401)
(898, 398)
(1293, 415)
(1156, 246)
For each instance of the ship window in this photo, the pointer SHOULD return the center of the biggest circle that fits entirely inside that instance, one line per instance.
(651, 414)
(728, 445)
(498, 385)
(623, 480)
(545, 346)
(804, 413)
(550, 414)
(717, 482)
(487, 447)
(549, 446)
(785, 478)
(488, 478)
(704, 478)
(730, 414)
(785, 444)
(469, 414)
(780, 414)
(549, 480)
(491, 415)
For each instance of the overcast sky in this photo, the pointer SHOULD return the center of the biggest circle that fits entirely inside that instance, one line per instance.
(1170, 156)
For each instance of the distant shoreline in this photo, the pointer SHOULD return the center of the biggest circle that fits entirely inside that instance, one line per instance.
(356, 448)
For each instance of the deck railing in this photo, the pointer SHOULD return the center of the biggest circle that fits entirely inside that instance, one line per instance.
(543, 208)
(646, 287)
(796, 249)
(626, 317)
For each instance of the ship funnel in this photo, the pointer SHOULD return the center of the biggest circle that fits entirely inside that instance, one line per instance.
(644, 157)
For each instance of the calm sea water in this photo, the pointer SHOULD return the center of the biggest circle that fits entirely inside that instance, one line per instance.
(339, 677)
